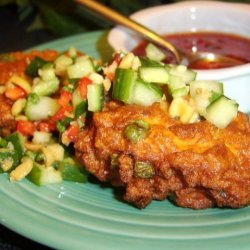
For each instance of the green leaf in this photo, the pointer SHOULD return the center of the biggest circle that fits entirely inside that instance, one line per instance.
(36, 24)
(4, 2)
(128, 7)
(23, 2)
(58, 23)
(25, 11)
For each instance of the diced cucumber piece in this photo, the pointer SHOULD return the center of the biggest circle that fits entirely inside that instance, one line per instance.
(179, 92)
(154, 74)
(154, 53)
(205, 87)
(95, 97)
(182, 109)
(42, 108)
(40, 137)
(221, 112)
(46, 88)
(81, 68)
(41, 175)
(136, 63)
(176, 87)
(201, 104)
(61, 64)
(146, 62)
(17, 140)
(204, 92)
(146, 93)
(72, 171)
(124, 84)
(76, 98)
(179, 74)
(47, 73)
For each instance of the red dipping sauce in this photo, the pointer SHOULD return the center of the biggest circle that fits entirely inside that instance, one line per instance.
(230, 45)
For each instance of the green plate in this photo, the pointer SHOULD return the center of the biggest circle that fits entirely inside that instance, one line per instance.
(91, 216)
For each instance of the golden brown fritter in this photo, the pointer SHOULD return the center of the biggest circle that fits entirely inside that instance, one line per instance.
(196, 165)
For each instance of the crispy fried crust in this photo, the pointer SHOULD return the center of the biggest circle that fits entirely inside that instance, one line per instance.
(197, 165)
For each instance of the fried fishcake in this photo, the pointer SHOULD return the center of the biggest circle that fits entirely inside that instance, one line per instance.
(196, 165)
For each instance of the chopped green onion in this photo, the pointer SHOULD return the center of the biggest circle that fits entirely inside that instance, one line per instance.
(74, 81)
(69, 88)
(63, 124)
(81, 108)
(33, 98)
(48, 65)
(145, 62)
(40, 157)
(37, 63)
(30, 154)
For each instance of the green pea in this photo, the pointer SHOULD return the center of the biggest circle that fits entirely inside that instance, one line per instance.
(144, 169)
(137, 131)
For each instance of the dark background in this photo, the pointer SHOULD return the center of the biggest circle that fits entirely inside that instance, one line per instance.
(27, 23)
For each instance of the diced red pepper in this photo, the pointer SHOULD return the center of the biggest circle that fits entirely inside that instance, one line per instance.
(62, 113)
(15, 93)
(47, 126)
(118, 58)
(26, 127)
(44, 127)
(83, 83)
(73, 131)
(65, 98)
